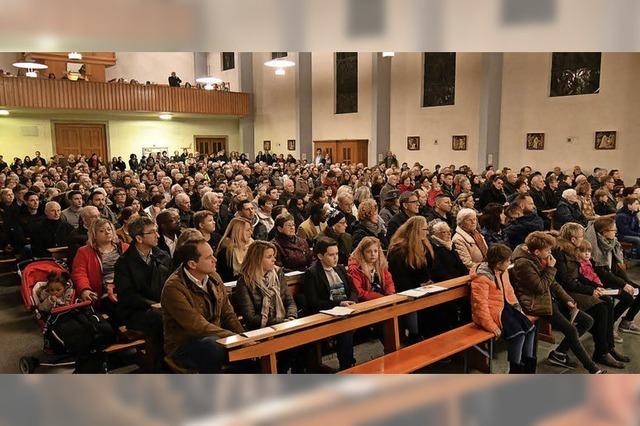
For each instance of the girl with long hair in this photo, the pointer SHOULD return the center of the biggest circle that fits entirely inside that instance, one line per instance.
(369, 270)
(233, 248)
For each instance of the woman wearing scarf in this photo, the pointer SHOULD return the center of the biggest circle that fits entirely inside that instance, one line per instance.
(369, 224)
(608, 261)
(262, 296)
(468, 241)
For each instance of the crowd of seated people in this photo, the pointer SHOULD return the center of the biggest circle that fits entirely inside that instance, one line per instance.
(152, 244)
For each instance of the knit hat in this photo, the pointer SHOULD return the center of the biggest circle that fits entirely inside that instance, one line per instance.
(335, 216)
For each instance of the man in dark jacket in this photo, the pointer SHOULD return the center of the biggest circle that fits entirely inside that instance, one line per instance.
(140, 274)
(174, 80)
(568, 210)
(327, 285)
(442, 211)
(517, 229)
(493, 193)
(246, 210)
(52, 231)
(627, 222)
(196, 311)
(408, 208)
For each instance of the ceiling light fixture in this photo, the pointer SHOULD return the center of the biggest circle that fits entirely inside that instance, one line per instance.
(30, 67)
(165, 116)
(388, 54)
(279, 65)
(209, 81)
(208, 87)
(75, 56)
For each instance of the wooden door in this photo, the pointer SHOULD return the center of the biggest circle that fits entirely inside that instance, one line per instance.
(210, 144)
(81, 138)
(327, 147)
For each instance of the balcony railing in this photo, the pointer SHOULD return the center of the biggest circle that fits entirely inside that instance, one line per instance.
(23, 92)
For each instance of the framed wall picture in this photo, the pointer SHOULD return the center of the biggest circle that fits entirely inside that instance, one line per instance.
(535, 141)
(266, 145)
(291, 144)
(606, 140)
(459, 143)
(413, 143)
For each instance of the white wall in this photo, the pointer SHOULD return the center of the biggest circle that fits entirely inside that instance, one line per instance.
(527, 107)
(152, 66)
(275, 105)
(409, 118)
(214, 64)
(125, 135)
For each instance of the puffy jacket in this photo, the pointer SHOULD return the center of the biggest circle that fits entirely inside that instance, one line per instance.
(535, 284)
(567, 212)
(467, 249)
(517, 230)
(362, 283)
(627, 223)
(487, 297)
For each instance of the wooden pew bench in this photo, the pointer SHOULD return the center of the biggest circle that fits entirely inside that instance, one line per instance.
(428, 352)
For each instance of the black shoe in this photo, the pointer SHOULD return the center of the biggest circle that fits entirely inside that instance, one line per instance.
(609, 361)
(516, 368)
(618, 356)
(561, 360)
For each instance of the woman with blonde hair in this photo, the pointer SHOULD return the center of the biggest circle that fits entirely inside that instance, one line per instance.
(410, 262)
(369, 271)
(233, 248)
(94, 264)
(369, 224)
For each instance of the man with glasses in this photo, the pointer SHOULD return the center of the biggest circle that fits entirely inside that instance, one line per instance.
(140, 274)
(409, 207)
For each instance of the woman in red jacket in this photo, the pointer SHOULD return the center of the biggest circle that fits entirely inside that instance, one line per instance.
(495, 308)
(369, 272)
(93, 266)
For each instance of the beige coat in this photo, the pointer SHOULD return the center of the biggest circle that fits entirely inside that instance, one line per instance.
(467, 248)
(308, 231)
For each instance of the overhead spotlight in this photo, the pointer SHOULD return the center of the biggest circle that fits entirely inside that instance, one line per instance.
(75, 56)
(4, 112)
(165, 116)
(30, 67)
(280, 65)
(388, 54)
(31, 74)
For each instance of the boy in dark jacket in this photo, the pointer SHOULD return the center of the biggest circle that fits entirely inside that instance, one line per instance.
(533, 278)
(627, 222)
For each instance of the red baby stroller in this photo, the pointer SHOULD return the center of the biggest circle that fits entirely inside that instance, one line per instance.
(33, 276)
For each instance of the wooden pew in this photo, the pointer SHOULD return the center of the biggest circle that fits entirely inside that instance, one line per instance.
(313, 328)
(427, 352)
(59, 253)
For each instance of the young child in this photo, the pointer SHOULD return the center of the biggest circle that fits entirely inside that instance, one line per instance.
(601, 206)
(495, 308)
(587, 273)
(57, 292)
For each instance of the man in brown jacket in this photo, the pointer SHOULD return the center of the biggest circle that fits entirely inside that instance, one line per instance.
(196, 311)
(533, 279)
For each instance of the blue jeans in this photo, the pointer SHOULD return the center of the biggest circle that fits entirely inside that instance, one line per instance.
(522, 346)
(204, 355)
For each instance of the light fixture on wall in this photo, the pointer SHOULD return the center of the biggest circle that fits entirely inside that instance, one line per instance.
(4, 112)
(30, 67)
(165, 116)
(75, 56)
(279, 65)
(388, 54)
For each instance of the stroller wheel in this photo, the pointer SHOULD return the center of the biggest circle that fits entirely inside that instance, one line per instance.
(28, 365)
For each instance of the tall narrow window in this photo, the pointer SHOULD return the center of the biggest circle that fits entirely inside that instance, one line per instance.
(575, 74)
(228, 61)
(346, 82)
(439, 86)
(276, 55)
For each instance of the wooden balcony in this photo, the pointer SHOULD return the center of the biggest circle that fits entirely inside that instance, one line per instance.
(39, 93)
